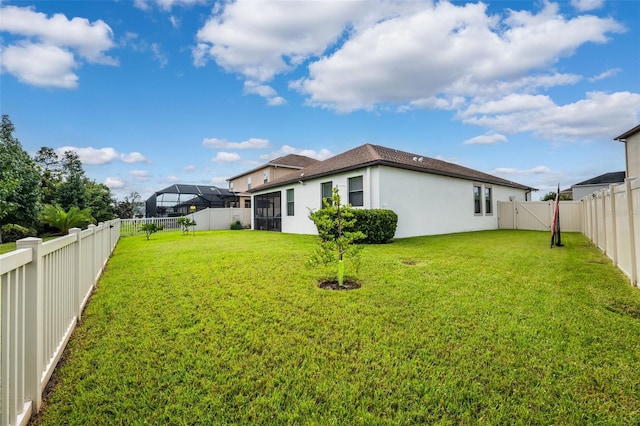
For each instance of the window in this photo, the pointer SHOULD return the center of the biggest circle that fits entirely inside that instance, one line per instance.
(247, 204)
(249, 182)
(488, 202)
(265, 176)
(326, 191)
(231, 186)
(477, 202)
(290, 203)
(356, 194)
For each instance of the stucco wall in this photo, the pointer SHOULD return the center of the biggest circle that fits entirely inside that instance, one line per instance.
(430, 204)
(426, 204)
(633, 155)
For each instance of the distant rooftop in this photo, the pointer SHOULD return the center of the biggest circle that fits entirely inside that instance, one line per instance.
(291, 161)
(607, 178)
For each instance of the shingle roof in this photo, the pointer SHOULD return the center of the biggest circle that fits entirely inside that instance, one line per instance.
(292, 161)
(370, 155)
(607, 178)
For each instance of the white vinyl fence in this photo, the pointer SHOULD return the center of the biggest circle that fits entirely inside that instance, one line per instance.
(45, 287)
(538, 215)
(206, 220)
(612, 222)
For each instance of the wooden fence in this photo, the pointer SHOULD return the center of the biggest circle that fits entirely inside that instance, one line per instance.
(612, 222)
(44, 288)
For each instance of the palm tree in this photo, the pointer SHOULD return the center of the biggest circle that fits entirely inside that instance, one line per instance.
(57, 217)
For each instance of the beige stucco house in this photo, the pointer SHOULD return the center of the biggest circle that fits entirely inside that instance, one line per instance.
(265, 173)
(631, 140)
(429, 196)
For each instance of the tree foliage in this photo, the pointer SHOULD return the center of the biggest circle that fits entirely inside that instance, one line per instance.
(335, 223)
(551, 196)
(19, 180)
(56, 217)
(128, 207)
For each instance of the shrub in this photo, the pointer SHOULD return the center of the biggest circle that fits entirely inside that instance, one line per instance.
(150, 228)
(379, 225)
(12, 232)
(185, 222)
(237, 225)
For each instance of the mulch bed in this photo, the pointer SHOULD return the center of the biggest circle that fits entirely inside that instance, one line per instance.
(333, 285)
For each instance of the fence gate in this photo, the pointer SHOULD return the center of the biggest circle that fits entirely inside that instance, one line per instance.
(538, 215)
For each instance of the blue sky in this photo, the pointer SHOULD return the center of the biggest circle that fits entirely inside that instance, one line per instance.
(155, 92)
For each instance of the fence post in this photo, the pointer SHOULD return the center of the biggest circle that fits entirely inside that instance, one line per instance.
(614, 224)
(77, 275)
(33, 322)
(92, 254)
(632, 232)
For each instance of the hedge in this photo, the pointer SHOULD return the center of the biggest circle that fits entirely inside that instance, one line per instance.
(379, 225)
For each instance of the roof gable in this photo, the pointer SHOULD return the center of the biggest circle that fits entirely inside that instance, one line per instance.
(625, 135)
(291, 161)
(369, 155)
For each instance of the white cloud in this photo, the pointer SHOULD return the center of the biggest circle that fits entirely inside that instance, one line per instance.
(226, 157)
(251, 143)
(486, 139)
(262, 39)
(133, 157)
(219, 181)
(172, 179)
(190, 168)
(114, 183)
(600, 115)
(159, 55)
(267, 92)
(40, 65)
(605, 74)
(506, 171)
(446, 49)
(140, 175)
(323, 154)
(165, 4)
(49, 48)
(584, 5)
(97, 156)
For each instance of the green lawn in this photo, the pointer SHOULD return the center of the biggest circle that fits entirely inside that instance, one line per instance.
(228, 327)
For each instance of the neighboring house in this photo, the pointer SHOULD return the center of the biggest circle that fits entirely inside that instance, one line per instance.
(631, 139)
(273, 170)
(595, 184)
(429, 196)
(180, 198)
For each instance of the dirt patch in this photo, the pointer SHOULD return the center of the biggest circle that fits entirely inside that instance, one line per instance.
(333, 285)
(409, 262)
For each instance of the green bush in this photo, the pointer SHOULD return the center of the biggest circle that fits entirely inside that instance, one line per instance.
(379, 225)
(12, 232)
(237, 225)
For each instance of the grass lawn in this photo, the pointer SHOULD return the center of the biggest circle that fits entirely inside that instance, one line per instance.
(228, 327)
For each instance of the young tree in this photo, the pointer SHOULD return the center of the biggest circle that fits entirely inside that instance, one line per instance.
(337, 240)
(19, 180)
(57, 217)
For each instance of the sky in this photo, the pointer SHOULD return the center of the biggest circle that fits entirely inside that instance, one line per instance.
(155, 92)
